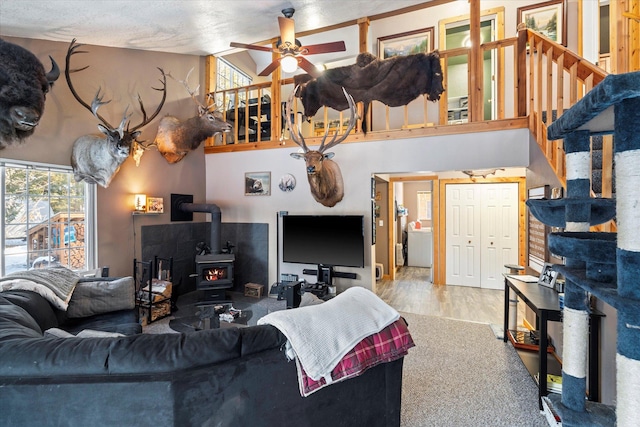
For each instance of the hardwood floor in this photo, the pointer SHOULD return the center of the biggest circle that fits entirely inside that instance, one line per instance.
(413, 292)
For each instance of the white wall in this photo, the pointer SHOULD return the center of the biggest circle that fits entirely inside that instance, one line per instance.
(358, 161)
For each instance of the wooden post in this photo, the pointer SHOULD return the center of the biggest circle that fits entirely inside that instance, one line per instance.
(521, 72)
(475, 64)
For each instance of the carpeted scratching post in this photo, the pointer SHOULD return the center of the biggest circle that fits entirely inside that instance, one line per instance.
(576, 312)
(606, 265)
(627, 158)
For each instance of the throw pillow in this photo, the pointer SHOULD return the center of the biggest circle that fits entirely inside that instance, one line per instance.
(57, 333)
(87, 333)
(101, 296)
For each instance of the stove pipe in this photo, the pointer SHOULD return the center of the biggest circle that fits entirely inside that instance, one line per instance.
(216, 221)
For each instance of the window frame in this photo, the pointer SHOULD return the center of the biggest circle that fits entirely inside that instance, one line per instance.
(429, 205)
(90, 209)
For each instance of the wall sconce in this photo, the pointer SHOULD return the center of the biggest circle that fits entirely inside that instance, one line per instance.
(140, 203)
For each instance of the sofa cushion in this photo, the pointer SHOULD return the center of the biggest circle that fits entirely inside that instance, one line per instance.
(101, 296)
(156, 353)
(34, 304)
(260, 338)
(15, 322)
(121, 321)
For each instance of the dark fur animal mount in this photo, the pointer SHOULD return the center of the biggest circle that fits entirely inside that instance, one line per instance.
(394, 81)
(97, 158)
(325, 178)
(23, 88)
(175, 137)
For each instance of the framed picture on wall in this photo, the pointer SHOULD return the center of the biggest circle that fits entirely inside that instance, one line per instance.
(547, 18)
(407, 43)
(155, 205)
(257, 184)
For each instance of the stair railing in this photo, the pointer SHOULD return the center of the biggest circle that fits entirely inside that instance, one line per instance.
(556, 79)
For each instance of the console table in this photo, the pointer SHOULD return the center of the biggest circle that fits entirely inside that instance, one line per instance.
(545, 304)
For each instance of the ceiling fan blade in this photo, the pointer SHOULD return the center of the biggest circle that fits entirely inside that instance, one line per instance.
(270, 68)
(287, 30)
(324, 48)
(308, 66)
(252, 46)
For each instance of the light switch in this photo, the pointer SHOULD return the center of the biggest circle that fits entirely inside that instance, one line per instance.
(381, 223)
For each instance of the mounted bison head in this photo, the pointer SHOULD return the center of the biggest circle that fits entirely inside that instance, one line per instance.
(393, 81)
(23, 88)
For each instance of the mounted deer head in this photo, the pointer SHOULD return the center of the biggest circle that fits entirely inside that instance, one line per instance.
(325, 178)
(175, 137)
(97, 158)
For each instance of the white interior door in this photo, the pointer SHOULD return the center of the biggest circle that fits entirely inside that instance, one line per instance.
(499, 232)
(463, 234)
(481, 233)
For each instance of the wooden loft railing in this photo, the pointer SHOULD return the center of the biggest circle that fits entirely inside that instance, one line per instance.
(420, 118)
(541, 86)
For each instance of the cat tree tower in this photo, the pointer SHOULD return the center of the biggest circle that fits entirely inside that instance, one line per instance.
(606, 265)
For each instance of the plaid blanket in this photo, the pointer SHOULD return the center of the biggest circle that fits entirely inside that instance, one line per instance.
(388, 345)
(320, 335)
(56, 284)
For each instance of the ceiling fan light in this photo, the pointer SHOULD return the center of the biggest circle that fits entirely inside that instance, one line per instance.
(289, 64)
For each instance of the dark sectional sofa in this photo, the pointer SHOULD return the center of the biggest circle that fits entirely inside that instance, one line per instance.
(224, 377)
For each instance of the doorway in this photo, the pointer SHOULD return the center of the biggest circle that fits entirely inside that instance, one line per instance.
(455, 33)
(481, 233)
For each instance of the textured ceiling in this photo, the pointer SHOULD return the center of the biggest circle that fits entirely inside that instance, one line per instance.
(179, 26)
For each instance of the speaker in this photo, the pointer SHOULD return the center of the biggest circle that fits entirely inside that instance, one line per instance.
(379, 268)
(293, 294)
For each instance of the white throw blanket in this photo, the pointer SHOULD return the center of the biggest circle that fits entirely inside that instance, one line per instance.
(320, 335)
(55, 284)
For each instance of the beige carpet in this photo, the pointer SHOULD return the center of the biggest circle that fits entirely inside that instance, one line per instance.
(460, 375)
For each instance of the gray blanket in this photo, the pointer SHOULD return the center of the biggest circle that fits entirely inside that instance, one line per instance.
(56, 284)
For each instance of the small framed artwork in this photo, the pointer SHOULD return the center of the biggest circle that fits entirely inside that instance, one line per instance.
(548, 276)
(408, 43)
(155, 205)
(287, 182)
(257, 184)
(547, 18)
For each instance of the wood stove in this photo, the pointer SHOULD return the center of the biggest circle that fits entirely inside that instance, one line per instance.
(214, 275)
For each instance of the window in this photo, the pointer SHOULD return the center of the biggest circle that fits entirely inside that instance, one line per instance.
(47, 218)
(424, 205)
(229, 77)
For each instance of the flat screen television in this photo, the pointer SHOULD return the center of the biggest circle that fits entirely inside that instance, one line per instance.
(329, 240)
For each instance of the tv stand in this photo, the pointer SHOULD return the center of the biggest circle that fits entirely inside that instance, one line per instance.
(326, 273)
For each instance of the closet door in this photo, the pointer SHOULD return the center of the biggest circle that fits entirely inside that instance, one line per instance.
(463, 234)
(499, 232)
(481, 233)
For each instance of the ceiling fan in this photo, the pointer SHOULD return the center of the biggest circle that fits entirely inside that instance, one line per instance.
(291, 50)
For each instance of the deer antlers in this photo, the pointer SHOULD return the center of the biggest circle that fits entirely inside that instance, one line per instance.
(296, 134)
(97, 100)
(201, 108)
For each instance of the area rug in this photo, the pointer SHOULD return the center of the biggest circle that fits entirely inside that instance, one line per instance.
(459, 374)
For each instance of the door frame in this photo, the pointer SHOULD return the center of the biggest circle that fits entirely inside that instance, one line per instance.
(497, 15)
(391, 236)
(439, 273)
